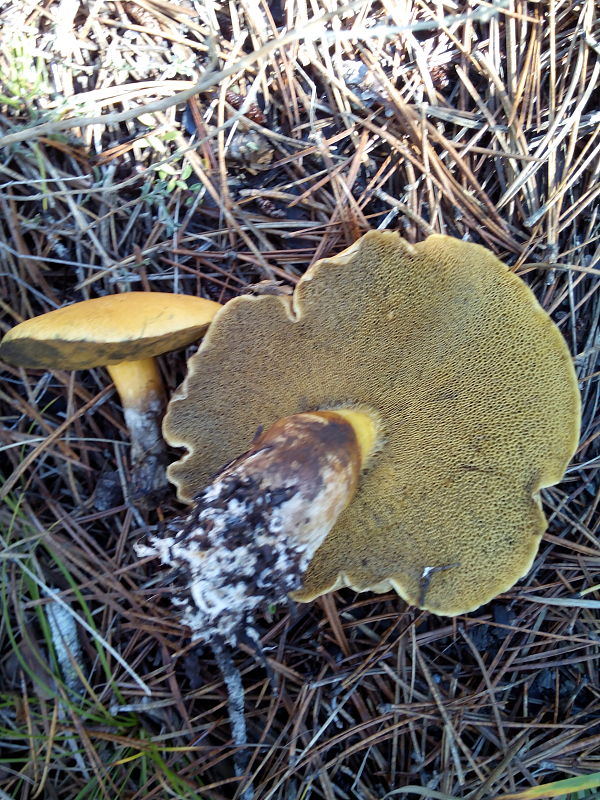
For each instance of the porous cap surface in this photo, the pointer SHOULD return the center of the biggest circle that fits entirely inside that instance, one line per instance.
(107, 330)
(477, 396)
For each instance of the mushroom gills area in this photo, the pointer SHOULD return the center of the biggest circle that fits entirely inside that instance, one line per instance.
(255, 528)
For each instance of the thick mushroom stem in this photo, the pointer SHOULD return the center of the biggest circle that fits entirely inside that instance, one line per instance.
(142, 394)
(255, 528)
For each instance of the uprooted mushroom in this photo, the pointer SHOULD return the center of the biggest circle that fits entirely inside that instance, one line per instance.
(122, 332)
(459, 390)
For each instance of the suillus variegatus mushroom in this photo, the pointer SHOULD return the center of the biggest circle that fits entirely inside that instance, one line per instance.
(122, 332)
(470, 386)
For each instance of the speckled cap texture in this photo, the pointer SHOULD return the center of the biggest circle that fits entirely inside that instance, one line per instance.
(474, 386)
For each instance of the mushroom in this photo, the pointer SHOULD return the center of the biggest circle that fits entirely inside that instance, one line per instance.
(474, 394)
(122, 332)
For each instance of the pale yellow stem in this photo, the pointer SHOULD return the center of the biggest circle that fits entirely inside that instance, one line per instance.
(142, 394)
(366, 426)
(137, 382)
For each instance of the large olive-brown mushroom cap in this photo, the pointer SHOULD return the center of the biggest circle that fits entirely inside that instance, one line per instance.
(477, 396)
(108, 330)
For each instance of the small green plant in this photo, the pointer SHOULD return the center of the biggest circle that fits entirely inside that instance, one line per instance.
(174, 177)
(23, 75)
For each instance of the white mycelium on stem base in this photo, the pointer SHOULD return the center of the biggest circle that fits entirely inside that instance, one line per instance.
(255, 528)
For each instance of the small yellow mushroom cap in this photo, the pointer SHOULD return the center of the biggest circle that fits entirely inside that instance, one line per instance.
(476, 397)
(108, 330)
